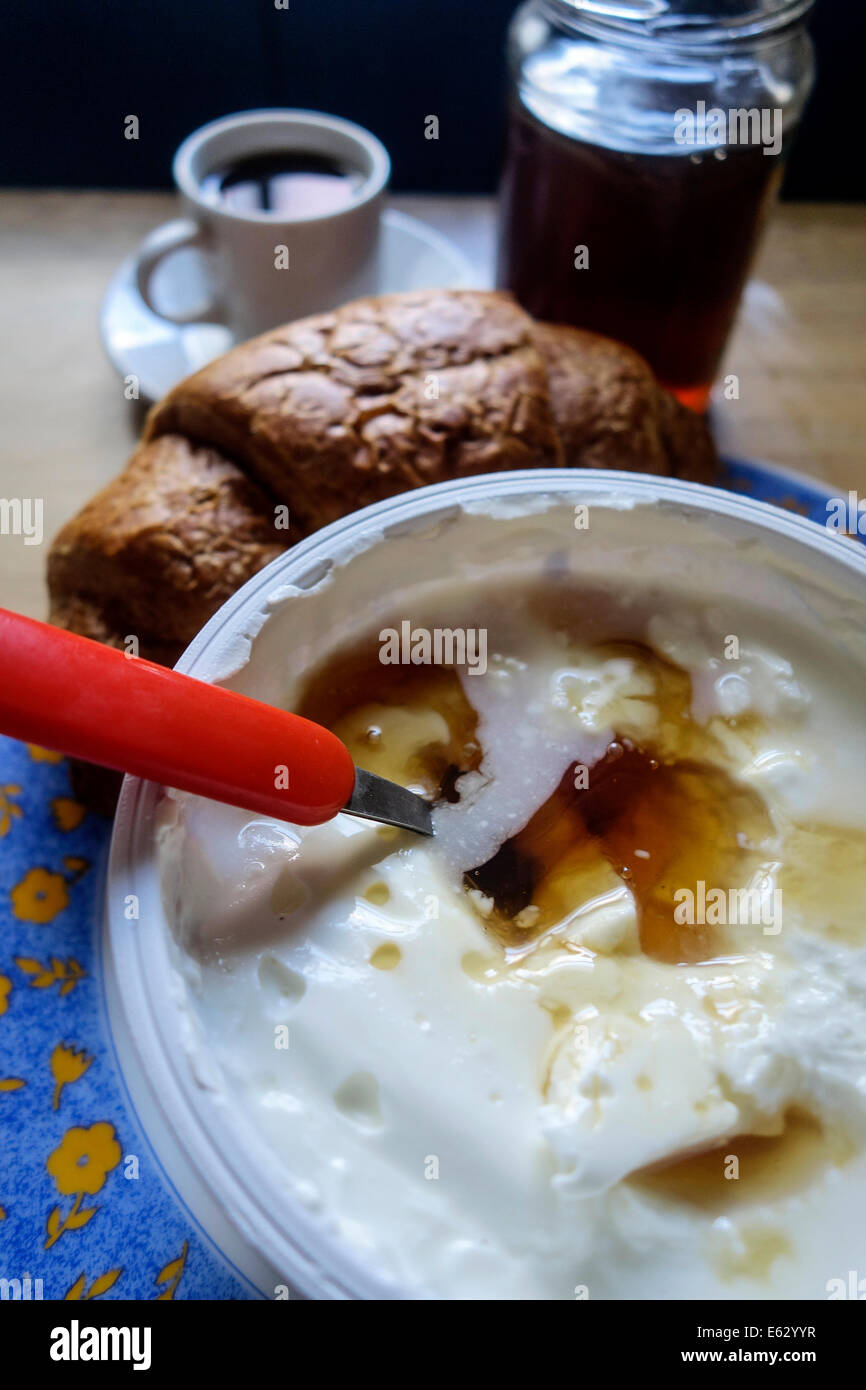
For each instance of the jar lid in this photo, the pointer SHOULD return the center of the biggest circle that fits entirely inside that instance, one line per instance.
(692, 22)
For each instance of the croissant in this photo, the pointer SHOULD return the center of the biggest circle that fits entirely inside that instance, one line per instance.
(318, 418)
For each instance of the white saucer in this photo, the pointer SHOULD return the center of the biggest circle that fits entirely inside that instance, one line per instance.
(159, 353)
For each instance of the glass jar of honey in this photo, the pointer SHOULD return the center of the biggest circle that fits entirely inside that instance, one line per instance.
(646, 142)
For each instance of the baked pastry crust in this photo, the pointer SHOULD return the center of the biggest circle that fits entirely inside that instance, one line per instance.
(331, 413)
(328, 414)
(340, 410)
(159, 549)
(610, 411)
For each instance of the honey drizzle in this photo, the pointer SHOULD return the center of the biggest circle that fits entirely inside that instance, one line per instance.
(768, 1166)
(411, 724)
(664, 797)
(661, 825)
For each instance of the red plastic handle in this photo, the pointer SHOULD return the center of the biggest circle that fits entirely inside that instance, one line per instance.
(96, 703)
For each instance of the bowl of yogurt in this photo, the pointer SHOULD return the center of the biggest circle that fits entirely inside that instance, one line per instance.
(604, 1034)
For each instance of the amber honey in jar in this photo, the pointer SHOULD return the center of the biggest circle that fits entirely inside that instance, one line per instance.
(646, 141)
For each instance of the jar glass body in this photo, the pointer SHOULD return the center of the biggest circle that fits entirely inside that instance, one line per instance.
(643, 154)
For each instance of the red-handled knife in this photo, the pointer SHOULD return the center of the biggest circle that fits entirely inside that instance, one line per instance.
(94, 702)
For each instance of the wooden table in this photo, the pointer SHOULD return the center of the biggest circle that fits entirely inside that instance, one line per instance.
(67, 429)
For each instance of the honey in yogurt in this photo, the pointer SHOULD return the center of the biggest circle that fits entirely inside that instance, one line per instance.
(659, 823)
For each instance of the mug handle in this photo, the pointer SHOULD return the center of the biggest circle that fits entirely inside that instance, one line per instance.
(165, 241)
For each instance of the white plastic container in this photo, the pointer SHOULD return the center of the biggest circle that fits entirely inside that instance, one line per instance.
(307, 602)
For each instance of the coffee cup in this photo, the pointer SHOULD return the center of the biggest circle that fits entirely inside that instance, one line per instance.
(284, 206)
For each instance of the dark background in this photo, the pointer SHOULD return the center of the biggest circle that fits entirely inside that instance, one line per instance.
(70, 70)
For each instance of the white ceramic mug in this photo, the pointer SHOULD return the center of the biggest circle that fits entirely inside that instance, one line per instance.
(266, 268)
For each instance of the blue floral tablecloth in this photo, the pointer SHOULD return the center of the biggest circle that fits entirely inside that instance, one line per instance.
(84, 1209)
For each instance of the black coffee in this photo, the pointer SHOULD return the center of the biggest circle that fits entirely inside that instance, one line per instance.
(286, 182)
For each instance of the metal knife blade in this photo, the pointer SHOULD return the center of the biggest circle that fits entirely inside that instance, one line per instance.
(374, 798)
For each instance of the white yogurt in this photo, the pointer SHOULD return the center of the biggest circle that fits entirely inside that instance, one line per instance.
(471, 1127)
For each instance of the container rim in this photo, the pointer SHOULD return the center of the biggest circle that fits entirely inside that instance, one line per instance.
(679, 29)
(242, 1176)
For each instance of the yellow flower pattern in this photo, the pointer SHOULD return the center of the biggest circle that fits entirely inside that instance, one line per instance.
(39, 896)
(43, 755)
(170, 1275)
(9, 811)
(84, 1159)
(99, 1286)
(76, 867)
(65, 973)
(67, 1066)
(79, 1167)
(68, 814)
(47, 847)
